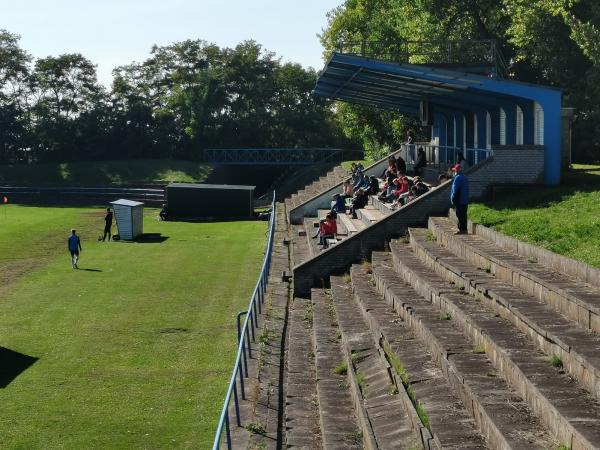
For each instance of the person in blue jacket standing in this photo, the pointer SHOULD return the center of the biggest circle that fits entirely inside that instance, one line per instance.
(74, 245)
(459, 197)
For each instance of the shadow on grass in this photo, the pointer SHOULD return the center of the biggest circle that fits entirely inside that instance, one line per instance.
(91, 270)
(13, 364)
(151, 238)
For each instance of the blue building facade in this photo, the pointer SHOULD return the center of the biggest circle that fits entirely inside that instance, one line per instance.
(467, 112)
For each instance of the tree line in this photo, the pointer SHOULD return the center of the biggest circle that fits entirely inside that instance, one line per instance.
(551, 42)
(185, 97)
(193, 95)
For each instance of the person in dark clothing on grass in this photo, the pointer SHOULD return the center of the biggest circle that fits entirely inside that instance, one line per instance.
(107, 224)
(459, 196)
(74, 246)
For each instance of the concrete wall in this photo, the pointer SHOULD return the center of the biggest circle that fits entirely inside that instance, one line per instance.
(510, 164)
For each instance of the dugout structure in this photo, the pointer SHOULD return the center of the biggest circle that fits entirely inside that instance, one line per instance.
(130, 218)
(210, 201)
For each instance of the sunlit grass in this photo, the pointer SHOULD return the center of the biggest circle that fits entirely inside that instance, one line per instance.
(564, 219)
(135, 349)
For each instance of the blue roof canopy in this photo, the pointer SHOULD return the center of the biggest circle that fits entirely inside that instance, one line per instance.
(402, 87)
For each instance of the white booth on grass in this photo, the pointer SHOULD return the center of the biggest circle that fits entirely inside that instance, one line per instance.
(130, 218)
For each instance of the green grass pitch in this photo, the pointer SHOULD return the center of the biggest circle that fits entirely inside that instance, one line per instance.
(135, 349)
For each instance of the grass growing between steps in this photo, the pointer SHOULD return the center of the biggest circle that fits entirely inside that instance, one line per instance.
(564, 219)
(396, 364)
(134, 349)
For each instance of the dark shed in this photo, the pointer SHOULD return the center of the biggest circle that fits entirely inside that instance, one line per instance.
(204, 201)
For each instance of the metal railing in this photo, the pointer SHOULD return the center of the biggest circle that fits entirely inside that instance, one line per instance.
(474, 52)
(443, 156)
(278, 156)
(246, 335)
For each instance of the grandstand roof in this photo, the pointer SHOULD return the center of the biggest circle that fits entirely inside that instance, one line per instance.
(402, 86)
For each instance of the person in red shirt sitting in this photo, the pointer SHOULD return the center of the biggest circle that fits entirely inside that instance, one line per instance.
(328, 230)
(402, 192)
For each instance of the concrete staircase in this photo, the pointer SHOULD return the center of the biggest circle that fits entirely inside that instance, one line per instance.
(332, 178)
(436, 340)
(445, 342)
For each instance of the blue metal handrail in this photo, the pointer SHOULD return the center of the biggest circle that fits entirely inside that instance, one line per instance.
(245, 336)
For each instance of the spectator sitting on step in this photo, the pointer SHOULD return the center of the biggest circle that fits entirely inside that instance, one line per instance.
(400, 165)
(319, 230)
(422, 188)
(390, 176)
(402, 192)
(360, 200)
(338, 204)
(388, 195)
(373, 188)
(359, 166)
(353, 169)
(328, 230)
(443, 177)
(421, 162)
(348, 191)
(359, 180)
(391, 165)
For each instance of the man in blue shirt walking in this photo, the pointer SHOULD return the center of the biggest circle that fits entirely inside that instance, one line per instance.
(74, 245)
(459, 196)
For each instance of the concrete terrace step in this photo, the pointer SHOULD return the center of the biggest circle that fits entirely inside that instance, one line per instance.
(501, 415)
(348, 225)
(311, 230)
(448, 420)
(339, 425)
(301, 412)
(369, 215)
(577, 300)
(393, 427)
(383, 208)
(552, 332)
(301, 249)
(324, 182)
(571, 413)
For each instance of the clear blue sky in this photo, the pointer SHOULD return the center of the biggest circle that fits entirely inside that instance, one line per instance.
(116, 32)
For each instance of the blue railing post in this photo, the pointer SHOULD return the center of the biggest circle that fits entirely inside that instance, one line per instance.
(240, 314)
(237, 405)
(248, 339)
(228, 431)
(251, 315)
(242, 388)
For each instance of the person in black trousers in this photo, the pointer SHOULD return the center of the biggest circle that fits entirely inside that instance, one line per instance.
(459, 197)
(107, 224)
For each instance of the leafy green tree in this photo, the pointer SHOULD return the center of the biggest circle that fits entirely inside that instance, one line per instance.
(14, 73)
(554, 42)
